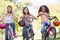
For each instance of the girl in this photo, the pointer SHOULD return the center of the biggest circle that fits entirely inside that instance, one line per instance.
(44, 13)
(8, 19)
(26, 17)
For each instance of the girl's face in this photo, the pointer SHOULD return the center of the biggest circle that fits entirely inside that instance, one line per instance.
(26, 10)
(9, 9)
(43, 9)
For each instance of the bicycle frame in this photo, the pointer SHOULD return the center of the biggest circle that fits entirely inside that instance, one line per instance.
(10, 33)
(48, 29)
(30, 34)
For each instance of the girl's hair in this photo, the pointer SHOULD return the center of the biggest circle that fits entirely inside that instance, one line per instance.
(10, 7)
(24, 12)
(46, 9)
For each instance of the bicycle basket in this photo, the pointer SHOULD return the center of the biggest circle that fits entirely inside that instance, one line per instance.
(56, 23)
(2, 25)
(21, 23)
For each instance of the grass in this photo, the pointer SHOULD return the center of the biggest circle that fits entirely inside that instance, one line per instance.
(38, 37)
(57, 38)
(51, 39)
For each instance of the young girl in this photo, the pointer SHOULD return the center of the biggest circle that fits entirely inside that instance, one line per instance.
(26, 17)
(44, 13)
(8, 19)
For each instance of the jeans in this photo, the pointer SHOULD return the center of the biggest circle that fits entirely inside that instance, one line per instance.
(7, 28)
(44, 24)
(24, 33)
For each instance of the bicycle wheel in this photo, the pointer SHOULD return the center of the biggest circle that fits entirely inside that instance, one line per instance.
(53, 31)
(32, 38)
(10, 34)
(44, 36)
(30, 34)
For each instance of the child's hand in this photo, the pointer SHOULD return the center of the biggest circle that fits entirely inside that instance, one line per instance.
(54, 17)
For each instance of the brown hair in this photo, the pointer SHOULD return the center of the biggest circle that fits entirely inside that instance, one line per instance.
(10, 7)
(47, 9)
(24, 12)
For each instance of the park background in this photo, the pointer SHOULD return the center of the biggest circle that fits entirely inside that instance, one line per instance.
(33, 5)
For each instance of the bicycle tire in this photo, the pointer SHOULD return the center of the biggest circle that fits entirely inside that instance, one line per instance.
(53, 30)
(44, 36)
(10, 34)
(30, 34)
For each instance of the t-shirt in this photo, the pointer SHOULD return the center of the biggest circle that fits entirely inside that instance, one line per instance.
(8, 18)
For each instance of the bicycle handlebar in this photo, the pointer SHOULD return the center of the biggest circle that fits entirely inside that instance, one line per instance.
(33, 19)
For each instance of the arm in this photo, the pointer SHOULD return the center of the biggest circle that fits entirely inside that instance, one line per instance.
(32, 16)
(15, 15)
(47, 15)
(52, 17)
(3, 16)
(41, 13)
(22, 17)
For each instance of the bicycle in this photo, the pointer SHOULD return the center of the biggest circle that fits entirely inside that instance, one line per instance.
(2, 27)
(10, 33)
(29, 32)
(49, 31)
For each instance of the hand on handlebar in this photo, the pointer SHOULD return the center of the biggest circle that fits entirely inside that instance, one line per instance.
(56, 18)
(53, 17)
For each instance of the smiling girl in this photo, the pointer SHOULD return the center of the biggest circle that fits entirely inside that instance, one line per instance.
(8, 18)
(28, 24)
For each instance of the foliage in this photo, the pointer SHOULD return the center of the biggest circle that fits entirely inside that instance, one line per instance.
(17, 7)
